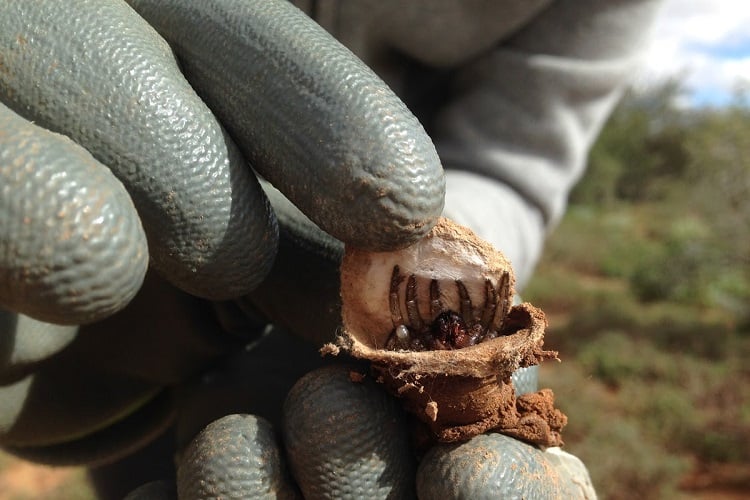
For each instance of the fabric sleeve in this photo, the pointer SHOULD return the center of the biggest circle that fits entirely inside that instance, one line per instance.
(515, 135)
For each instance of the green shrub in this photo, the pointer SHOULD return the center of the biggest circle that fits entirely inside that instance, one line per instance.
(602, 311)
(617, 359)
(665, 411)
(724, 443)
(695, 332)
(626, 464)
(623, 458)
(680, 268)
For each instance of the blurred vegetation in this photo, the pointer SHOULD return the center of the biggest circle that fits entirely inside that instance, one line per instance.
(647, 286)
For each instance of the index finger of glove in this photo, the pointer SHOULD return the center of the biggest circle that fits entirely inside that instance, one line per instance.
(97, 72)
(310, 116)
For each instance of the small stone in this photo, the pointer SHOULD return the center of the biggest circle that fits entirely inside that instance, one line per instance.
(431, 410)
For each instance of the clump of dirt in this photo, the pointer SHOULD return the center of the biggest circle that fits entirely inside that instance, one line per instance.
(457, 392)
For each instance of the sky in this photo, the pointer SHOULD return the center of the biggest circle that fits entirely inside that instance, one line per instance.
(707, 43)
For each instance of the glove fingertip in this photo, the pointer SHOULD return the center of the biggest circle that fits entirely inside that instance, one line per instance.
(72, 248)
(574, 470)
(491, 466)
(346, 438)
(235, 456)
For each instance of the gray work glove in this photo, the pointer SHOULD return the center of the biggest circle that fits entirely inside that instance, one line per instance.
(310, 118)
(111, 161)
(342, 437)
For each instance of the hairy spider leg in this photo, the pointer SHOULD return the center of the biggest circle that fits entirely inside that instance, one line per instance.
(490, 306)
(505, 302)
(412, 307)
(436, 305)
(401, 335)
(466, 309)
(393, 302)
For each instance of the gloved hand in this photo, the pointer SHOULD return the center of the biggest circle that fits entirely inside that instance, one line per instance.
(339, 425)
(74, 247)
(344, 437)
(310, 118)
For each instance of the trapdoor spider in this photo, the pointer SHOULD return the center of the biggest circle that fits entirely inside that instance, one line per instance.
(446, 329)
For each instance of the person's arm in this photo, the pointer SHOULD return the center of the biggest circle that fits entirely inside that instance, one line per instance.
(515, 136)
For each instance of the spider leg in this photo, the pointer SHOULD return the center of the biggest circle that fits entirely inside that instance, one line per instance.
(505, 302)
(466, 312)
(412, 308)
(393, 302)
(436, 305)
(490, 305)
